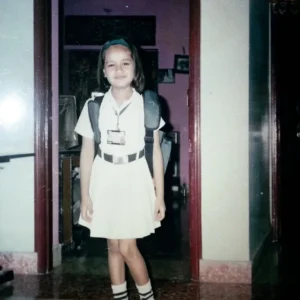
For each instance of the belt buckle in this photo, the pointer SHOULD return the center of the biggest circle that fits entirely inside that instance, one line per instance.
(118, 160)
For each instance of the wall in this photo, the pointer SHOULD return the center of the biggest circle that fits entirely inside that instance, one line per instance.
(16, 126)
(259, 173)
(172, 34)
(225, 129)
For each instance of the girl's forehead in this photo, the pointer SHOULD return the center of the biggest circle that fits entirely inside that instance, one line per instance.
(117, 50)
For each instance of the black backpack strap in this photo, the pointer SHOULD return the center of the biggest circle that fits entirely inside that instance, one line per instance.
(94, 111)
(149, 139)
(152, 113)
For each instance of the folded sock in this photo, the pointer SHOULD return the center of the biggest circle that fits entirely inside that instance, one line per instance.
(120, 291)
(145, 291)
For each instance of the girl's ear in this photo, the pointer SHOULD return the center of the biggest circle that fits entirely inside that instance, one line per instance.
(104, 73)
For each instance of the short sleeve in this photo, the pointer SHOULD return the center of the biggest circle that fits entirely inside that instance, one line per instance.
(83, 126)
(161, 124)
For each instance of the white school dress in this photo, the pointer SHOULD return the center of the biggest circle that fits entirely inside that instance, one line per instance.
(123, 195)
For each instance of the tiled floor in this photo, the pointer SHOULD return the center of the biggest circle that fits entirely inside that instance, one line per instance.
(97, 266)
(77, 280)
(93, 287)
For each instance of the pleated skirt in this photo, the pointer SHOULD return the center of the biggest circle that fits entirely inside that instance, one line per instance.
(123, 199)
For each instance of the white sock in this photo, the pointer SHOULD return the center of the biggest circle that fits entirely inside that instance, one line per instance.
(145, 291)
(120, 291)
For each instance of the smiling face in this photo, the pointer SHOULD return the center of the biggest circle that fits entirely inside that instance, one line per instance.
(119, 67)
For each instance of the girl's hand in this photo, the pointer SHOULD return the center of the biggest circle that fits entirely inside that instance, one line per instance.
(160, 209)
(86, 209)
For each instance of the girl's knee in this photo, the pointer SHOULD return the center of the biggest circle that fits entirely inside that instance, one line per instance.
(128, 249)
(113, 246)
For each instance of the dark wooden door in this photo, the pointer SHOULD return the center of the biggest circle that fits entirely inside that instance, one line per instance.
(285, 32)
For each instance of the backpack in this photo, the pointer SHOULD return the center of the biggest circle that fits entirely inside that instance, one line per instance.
(152, 113)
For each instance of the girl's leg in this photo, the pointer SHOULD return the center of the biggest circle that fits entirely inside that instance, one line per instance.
(134, 260)
(137, 267)
(116, 270)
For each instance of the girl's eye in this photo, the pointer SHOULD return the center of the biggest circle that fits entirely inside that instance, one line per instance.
(126, 63)
(110, 65)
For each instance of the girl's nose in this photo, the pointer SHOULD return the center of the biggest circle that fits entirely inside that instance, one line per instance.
(119, 68)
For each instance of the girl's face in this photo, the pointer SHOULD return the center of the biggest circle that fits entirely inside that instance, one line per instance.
(119, 67)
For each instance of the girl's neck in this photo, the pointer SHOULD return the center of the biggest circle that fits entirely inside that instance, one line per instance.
(121, 95)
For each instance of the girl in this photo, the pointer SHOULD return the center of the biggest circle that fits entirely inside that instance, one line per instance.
(119, 201)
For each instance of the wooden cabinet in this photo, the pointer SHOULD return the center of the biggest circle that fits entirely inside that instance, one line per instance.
(68, 160)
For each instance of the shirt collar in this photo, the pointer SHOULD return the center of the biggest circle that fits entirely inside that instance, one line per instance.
(114, 103)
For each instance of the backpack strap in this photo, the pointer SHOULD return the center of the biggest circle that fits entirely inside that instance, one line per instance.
(152, 113)
(94, 111)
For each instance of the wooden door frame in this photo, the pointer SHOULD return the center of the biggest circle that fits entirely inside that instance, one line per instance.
(43, 138)
(194, 142)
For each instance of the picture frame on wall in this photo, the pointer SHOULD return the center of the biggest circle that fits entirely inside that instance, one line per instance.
(182, 64)
(166, 76)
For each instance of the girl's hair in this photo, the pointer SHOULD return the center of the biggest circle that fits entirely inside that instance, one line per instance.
(139, 79)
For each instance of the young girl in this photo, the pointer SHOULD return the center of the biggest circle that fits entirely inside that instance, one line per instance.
(120, 201)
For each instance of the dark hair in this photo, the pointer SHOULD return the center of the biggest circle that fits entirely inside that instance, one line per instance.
(139, 79)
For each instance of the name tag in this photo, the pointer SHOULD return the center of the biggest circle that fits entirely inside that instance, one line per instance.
(116, 137)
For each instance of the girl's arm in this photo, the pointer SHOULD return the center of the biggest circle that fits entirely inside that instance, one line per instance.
(86, 161)
(158, 168)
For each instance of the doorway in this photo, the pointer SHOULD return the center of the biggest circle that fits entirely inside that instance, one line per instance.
(44, 242)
